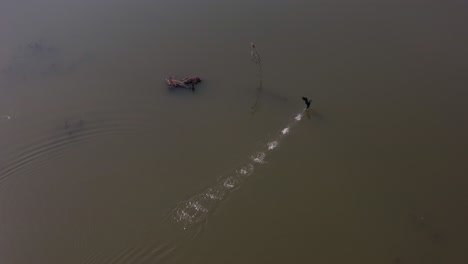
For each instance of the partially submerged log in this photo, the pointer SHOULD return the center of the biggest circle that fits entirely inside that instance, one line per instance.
(191, 80)
(188, 82)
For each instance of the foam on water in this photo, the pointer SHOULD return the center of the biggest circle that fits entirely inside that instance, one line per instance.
(197, 208)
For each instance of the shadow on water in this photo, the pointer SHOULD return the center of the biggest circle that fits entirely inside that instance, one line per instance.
(73, 125)
(313, 114)
(260, 92)
(181, 91)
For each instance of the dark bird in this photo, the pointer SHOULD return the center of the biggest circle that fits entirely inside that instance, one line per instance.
(307, 101)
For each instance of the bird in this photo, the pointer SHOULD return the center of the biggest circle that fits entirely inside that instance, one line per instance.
(307, 101)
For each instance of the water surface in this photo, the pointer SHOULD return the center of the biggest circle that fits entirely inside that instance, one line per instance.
(101, 163)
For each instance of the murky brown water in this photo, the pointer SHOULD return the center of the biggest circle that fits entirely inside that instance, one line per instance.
(101, 163)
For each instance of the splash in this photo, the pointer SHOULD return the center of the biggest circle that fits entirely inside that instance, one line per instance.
(7, 116)
(259, 157)
(272, 145)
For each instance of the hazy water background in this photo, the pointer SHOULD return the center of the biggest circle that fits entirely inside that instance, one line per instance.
(96, 152)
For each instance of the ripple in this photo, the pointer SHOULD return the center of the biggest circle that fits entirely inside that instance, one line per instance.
(135, 254)
(45, 142)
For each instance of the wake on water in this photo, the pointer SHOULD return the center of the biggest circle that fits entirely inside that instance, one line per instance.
(197, 208)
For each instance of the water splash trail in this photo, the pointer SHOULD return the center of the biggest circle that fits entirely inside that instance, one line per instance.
(178, 230)
(197, 208)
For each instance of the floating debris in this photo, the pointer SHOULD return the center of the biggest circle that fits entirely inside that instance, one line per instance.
(188, 82)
